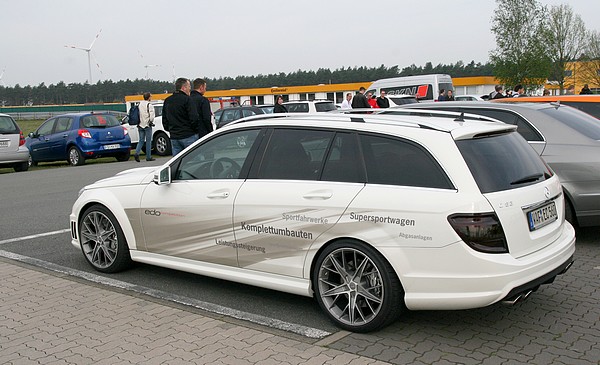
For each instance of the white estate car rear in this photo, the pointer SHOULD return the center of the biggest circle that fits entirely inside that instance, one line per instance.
(370, 214)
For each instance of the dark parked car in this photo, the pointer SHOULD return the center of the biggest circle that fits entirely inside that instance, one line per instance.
(77, 137)
(566, 138)
(13, 152)
(229, 115)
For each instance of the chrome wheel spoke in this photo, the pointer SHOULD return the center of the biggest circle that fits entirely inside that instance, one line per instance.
(99, 239)
(351, 286)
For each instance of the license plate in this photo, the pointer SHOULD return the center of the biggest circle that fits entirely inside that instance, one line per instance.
(3, 144)
(542, 216)
(112, 146)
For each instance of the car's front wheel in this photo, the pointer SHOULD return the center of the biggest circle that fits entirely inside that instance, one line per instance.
(102, 240)
(75, 157)
(23, 166)
(356, 287)
(162, 144)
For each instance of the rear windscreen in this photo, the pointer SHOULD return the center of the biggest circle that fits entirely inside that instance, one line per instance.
(578, 120)
(8, 126)
(99, 121)
(325, 107)
(502, 162)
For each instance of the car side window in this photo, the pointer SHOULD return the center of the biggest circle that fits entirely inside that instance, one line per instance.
(344, 162)
(230, 115)
(399, 162)
(295, 154)
(63, 124)
(46, 128)
(248, 112)
(523, 127)
(222, 157)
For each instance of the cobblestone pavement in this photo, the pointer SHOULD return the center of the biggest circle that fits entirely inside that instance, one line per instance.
(49, 318)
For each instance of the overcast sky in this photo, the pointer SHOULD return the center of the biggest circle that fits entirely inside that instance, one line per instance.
(240, 37)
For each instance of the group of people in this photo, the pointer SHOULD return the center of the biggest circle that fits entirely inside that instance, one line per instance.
(446, 95)
(498, 93)
(186, 116)
(364, 99)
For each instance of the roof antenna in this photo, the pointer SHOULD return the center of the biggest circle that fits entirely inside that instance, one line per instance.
(460, 118)
(556, 104)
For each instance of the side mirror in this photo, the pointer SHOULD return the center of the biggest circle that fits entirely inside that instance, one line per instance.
(32, 135)
(163, 177)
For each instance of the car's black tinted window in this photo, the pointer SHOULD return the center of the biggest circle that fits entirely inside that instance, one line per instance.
(397, 162)
(222, 157)
(325, 107)
(8, 126)
(344, 162)
(297, 108)
(576, 119)
(502, 162)
(295, 154)
(592, 109)
(99, 121)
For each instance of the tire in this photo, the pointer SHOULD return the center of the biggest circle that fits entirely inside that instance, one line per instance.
(23, 166)
(356, 287)
(161, 144)
(75, 157)
(102, 240)
(31, 162)
(123, 156)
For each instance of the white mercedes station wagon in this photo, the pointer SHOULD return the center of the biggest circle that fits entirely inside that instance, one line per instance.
(372, 214)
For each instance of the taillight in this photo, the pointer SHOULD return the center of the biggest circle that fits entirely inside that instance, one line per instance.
(125, 131)
(21, 139)
(481, 232)
(549, 172)
(84, 133)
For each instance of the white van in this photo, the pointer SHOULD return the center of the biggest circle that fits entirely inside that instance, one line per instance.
(425, 87)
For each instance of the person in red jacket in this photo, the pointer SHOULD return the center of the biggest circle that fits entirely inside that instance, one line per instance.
(372, 100)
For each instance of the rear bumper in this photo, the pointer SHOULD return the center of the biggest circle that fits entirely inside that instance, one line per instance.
(456, 277)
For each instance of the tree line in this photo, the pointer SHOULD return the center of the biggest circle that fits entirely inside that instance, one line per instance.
(109, 91)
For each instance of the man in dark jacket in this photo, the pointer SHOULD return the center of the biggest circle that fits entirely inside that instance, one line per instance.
(382, 101)
(180, 117)
(202, 106)
(360, 100)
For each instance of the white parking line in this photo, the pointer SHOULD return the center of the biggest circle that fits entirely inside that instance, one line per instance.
(33, 236)
(209, 307)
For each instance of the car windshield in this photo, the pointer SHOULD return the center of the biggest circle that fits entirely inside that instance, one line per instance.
(99, 121)
(7, 126)
(325, 107)
(576, 119)
(502, 162)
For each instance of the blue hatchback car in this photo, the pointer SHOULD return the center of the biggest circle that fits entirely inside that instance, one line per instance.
(77, 137)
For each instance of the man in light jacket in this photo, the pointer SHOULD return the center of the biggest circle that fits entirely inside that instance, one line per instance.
(145, 128)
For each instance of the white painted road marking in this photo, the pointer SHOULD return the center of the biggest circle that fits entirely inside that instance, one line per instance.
(34, 236)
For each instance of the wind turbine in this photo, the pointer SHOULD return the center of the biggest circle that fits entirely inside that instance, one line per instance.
(89, 51)
(146, 66)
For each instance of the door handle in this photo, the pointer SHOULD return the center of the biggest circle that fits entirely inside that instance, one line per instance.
(218, 195)
(318, 195)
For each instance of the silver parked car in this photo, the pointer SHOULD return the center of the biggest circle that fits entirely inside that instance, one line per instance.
(566, 138)
(13, 152)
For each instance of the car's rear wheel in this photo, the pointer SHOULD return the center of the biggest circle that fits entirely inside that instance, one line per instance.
(32, 162)
(75, 157)
(102, 240)
(123, 156)
(356, 287)
(23, 166)
(162, 144)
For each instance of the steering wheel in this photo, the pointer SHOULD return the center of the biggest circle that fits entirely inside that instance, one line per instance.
(219, 171)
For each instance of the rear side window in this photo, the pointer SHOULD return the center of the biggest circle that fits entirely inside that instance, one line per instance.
(592, 109)
(99, 121)
(325, 107)
(576, 119)
(398, 162)
(502, 162)
(8, 126)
